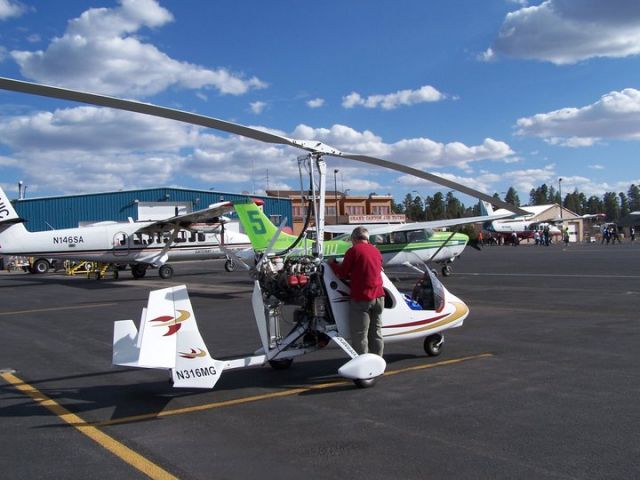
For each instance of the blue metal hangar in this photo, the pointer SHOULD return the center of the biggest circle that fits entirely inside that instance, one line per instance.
(70, 211)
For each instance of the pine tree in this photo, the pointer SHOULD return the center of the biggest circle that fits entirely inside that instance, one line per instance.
(611, 207)
(634, 198)
(624, 205)
(512, 197)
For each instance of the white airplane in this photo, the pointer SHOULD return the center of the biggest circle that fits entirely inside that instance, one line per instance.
(406, 244)
(301, 287)
(521, 225)
(139, 244)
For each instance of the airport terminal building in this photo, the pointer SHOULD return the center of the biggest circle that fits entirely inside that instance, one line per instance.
(70, 211)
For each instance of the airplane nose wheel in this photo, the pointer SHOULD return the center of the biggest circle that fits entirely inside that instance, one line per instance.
(433, 344)
(229, 266)
(446, 270)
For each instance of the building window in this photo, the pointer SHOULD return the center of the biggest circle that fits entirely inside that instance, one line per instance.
(330, 210)
(354, 210)
(380, 210)
(299, 211)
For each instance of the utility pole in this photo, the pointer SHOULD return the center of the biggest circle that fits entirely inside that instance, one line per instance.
(560, 193)
(335, 191)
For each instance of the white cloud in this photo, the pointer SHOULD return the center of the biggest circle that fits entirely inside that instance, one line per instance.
(522, 180)
(615, 115)
(11, 8)
(596, 167)
(416, 152)
(568, 31)
(88, 148)
(590, 187)
(315, 103)
(393, 100)
(481, 183)
(257, 107)
(100, 52)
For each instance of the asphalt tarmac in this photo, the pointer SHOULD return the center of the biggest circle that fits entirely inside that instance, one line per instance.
(542, 381)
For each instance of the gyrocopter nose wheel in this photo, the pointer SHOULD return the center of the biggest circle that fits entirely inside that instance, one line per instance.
(433, 344)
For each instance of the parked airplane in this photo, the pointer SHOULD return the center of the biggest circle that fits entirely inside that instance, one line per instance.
(168, 336)
(139, 244)
(401, 244)
(521, 225)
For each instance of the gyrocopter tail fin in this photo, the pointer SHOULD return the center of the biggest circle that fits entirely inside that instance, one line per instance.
(168, 338)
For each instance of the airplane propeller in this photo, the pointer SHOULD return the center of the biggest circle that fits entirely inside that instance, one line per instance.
(314, 147)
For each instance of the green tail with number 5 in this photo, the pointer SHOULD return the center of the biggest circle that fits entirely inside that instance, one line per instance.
(260, 229)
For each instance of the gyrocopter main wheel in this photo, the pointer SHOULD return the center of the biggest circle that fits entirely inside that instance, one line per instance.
(281, 364)
(365, 382)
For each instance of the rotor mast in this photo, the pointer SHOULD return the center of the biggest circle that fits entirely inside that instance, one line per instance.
(315, 162)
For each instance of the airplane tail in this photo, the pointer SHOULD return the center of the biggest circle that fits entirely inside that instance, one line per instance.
(11, 226)
(168, 338)
(486, 208)
(7, 213)
(259, 228)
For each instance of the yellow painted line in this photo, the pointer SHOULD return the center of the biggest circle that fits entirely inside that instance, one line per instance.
(286, 393)
(453, 361)
(52, 309)
(123, 452)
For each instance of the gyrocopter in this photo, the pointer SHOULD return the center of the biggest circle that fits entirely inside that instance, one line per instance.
(301, 287)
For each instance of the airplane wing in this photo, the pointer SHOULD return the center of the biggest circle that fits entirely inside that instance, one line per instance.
(400, 227)
(208, 215)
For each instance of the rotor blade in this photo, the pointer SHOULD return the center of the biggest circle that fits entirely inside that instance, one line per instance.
(146, 108)
(225, 126)
(435, 179)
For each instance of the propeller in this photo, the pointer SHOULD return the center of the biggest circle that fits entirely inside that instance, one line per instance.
(314, 147)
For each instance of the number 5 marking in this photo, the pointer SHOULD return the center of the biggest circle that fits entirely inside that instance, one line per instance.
(256, 223)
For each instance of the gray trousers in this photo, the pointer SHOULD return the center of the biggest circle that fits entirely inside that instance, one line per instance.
(365, 323)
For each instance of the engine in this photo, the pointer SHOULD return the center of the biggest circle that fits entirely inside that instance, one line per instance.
(293, 281)
(297, 282)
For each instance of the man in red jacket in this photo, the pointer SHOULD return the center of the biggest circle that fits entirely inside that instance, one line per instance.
(362, 265)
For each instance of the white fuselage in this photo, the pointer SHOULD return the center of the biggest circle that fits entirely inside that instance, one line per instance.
(117, 243)
(421, 255)
(399, 321)
(521, 226)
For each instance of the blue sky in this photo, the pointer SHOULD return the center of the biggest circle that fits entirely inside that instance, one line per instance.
(491, 94)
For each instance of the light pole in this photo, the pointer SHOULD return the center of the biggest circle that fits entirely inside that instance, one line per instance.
(335, 191)
(560, 193)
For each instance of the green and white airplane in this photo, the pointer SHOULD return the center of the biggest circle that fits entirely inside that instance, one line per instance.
(406, 244)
